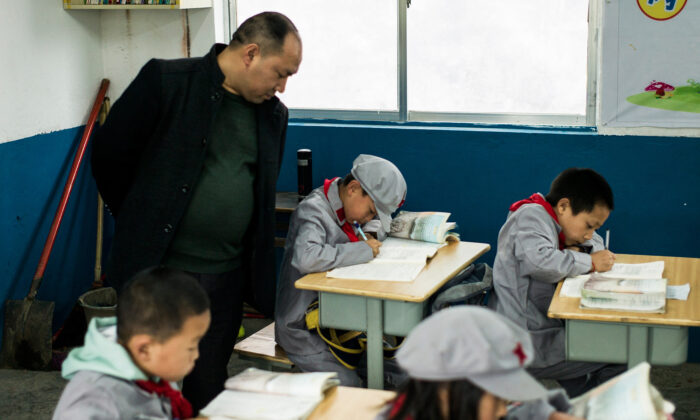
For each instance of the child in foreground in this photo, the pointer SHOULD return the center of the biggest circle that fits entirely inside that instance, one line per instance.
(544, 240)
(468, 362)
(324, 233)
(129, 364)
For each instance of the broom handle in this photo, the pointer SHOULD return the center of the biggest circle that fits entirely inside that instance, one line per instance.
(100, 211)
(36, 281)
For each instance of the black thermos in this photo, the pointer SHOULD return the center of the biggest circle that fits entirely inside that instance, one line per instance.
(304, 172)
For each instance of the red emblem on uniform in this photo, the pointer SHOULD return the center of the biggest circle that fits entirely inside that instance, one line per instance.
(518, 351)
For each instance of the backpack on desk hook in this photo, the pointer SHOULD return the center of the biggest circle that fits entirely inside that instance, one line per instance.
(471, 286)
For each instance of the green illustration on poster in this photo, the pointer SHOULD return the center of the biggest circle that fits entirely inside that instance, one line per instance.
(670, 98)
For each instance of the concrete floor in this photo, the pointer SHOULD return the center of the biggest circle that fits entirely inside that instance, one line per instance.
(33, 395)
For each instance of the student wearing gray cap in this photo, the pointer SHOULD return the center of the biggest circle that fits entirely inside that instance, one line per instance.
(327, 231)
(468, 362)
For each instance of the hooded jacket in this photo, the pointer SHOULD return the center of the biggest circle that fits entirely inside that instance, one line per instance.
(102, 376)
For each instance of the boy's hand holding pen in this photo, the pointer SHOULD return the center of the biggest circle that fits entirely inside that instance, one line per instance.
(373, 243)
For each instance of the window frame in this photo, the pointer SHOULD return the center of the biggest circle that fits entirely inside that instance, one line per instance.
(403, 115)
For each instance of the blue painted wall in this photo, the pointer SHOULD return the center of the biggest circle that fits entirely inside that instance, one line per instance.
(475, 172)
(33, 173)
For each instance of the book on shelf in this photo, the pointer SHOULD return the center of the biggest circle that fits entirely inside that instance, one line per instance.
(627, 396)
(619, 292)
(263, 395)
(415, 237)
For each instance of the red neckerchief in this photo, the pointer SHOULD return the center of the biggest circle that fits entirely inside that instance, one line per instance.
(398, 404)
(537, 199)
(341, 213)
(181, 408)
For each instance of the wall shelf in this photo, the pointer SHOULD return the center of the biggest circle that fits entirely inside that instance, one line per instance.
(181, 4)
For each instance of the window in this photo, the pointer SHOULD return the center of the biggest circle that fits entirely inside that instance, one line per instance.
(510, 61)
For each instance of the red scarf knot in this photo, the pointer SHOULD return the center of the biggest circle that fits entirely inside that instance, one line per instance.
(181, 408)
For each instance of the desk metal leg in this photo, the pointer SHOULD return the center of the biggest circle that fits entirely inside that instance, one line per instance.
(638, 345)
(375, 356)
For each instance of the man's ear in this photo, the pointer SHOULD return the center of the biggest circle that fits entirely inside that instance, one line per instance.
(249, 53)
(140, 346)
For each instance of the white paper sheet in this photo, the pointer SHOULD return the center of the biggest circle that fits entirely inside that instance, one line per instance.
(679, 292)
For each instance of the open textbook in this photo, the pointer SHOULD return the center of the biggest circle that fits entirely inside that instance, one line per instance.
(398, 260)
(627, 396)
(262, 395)
(427, 226)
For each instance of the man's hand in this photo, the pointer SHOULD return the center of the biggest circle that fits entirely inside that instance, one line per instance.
(602, 260)
(374, 244)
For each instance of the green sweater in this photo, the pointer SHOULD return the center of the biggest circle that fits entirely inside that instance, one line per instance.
(209, 238)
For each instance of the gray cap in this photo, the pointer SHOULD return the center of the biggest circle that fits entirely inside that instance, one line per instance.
(476, 344)
(384, 183)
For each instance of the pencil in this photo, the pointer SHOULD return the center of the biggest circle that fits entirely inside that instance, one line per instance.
(607, 239)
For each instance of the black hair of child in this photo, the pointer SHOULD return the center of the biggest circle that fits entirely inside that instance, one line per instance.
(583, 187)
(157, 301)
(422, 401)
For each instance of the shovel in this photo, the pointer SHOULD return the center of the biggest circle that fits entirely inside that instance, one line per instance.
(26, 341)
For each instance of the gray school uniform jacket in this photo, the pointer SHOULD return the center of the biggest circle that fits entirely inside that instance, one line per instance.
(315, 242)
(102, 377)
(526, 271)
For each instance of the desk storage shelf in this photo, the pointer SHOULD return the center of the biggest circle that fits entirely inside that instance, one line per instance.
(180, 4)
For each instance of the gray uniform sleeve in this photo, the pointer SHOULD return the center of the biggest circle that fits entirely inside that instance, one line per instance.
(94, 404)
(312, 253)
(538, 253)
(556, 400)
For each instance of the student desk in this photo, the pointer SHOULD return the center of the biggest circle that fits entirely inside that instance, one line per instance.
(632, 337)
(386, 307)
(347, 403)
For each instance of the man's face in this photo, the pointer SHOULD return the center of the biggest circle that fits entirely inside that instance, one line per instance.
(267, 74)
(579, 228)
(173, 359)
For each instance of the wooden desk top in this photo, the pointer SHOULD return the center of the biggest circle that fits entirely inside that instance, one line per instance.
(347, 403)
(678, 312)
(448, 261)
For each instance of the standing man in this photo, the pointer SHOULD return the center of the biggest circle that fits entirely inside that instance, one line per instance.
(187, 162)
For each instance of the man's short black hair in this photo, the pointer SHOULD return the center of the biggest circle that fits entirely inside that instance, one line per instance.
(157, 301)
(583, 187)
(267, 29)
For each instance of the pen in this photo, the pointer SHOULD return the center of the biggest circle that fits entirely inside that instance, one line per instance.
(607, 239)
(357, 226)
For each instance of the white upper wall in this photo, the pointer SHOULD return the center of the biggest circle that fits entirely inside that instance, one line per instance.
(51, 70)
(55, 59)
(132, 37)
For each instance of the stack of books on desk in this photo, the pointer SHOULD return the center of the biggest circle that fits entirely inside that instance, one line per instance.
(613, 291)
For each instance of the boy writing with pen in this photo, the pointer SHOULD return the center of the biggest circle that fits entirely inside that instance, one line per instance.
(544, 240)
(326, 232)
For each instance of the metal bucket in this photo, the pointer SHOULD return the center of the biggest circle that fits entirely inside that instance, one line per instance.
(99, 303)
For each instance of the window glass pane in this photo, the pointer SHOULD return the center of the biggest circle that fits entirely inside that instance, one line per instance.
(497, 56)
(349, 52)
